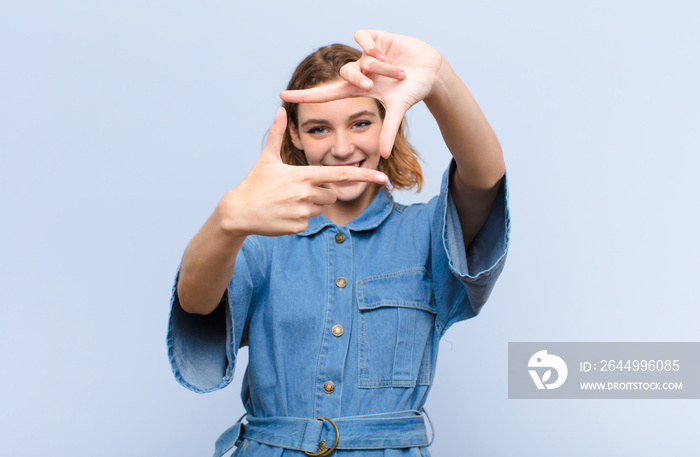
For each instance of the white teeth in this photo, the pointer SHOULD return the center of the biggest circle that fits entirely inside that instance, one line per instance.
(356, 164)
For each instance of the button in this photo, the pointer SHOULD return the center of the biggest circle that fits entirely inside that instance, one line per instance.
(337, 330)
(341, 282)
(328, 386)
(339, 237)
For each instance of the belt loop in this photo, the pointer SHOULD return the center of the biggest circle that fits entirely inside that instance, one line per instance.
(432, 429)
(230, 438)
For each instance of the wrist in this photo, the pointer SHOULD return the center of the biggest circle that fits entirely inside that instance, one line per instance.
(229, 222)
(444, 79)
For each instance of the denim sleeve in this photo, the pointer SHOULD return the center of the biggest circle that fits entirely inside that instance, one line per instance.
(202, 349)
(463, 279)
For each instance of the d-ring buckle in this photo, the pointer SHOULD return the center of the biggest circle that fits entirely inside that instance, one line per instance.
(322, 449)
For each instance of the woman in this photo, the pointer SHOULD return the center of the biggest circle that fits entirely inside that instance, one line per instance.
(340, 293)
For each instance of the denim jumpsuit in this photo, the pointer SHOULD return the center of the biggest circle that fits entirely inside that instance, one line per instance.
(342, 323)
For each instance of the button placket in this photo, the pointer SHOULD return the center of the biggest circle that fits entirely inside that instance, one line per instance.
(334, 349)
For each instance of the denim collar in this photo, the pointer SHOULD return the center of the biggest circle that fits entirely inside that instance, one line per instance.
(379, 209)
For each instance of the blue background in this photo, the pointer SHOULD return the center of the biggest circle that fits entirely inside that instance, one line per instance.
(123, 123)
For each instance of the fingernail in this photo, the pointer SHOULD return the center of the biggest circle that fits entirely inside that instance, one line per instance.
(381, 57)
(381, 178)
(402, 75)
(366, 85)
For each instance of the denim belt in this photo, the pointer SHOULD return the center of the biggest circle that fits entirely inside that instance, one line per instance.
(321, 436)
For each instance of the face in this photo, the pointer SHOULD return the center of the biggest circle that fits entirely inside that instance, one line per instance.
(341, 132)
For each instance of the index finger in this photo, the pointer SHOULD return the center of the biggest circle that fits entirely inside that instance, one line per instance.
(325, 175)
(322, 94)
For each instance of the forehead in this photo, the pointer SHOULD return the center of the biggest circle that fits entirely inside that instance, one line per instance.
(337, 110)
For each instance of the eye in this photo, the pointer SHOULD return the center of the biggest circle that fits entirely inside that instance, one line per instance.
(318, 130)
(361, 124)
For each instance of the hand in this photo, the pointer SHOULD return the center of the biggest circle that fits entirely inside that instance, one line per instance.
(397, 70)
(278, 199)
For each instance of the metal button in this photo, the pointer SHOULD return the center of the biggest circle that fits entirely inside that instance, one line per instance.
(328, 386)
(339, 237)
(337, 330)
(341, 282)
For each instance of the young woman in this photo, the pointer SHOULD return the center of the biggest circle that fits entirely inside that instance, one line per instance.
(340, 293)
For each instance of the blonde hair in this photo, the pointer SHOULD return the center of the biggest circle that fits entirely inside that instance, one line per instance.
(323, 65)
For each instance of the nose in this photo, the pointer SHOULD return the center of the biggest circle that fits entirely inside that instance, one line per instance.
(342, 146)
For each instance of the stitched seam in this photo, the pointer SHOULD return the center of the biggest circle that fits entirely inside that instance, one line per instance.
(398, 303)
(392, 275)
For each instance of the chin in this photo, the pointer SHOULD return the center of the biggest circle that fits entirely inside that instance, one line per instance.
(351, 192)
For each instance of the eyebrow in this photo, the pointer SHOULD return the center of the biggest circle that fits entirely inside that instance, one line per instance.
(350, 118)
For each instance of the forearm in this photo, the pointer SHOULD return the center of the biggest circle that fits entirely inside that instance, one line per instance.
(207, 265)
(474, 146)
(465, 130)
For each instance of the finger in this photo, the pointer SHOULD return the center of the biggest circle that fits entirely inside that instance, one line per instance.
(273, 144)
(316, 210)
(322, 94)
(352, 73)
(371, 65)
(392, 121)
(356, 72)
(368, 43)
(323, 175)
(322, 196)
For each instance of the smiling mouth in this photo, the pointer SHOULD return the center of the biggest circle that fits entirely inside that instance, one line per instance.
(349, 164)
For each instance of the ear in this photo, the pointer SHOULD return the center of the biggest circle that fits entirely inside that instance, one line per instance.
(294, 134)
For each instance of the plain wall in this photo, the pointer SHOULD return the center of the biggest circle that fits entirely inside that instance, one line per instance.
(123, 123)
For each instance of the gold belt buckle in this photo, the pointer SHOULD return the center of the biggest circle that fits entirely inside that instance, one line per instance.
(322, 449)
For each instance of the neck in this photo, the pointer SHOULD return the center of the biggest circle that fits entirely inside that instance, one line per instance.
(342, 212)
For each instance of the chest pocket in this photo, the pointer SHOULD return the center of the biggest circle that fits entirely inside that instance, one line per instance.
(397, 322)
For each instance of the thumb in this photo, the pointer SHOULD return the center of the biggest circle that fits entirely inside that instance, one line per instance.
(392, 121)
(273, 144)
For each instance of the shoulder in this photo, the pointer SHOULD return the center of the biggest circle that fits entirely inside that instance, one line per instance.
(417, 212)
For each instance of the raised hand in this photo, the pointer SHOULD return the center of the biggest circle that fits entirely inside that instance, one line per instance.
(278, 199)
(397, 70)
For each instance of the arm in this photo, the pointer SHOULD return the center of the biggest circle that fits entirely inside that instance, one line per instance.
(274, 199)
(472, 143)
(207, 264)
